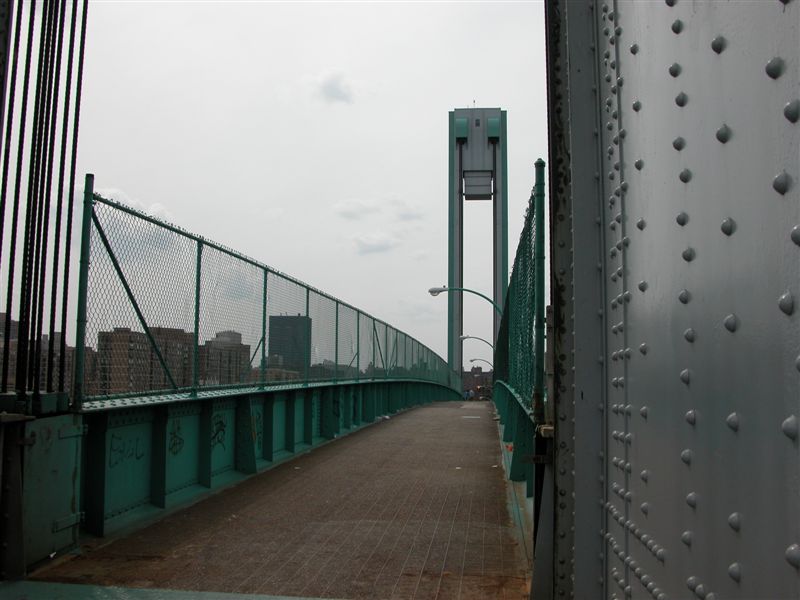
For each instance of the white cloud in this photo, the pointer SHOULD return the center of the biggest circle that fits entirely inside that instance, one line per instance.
(156, 209)
(406, 211)
(334, 89)
(375, 242)
(354, 209)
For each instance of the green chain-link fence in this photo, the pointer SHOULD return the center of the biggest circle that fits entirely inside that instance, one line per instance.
(519, 351)
(167, 311)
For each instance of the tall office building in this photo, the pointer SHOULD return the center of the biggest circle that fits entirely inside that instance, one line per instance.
(290, 342)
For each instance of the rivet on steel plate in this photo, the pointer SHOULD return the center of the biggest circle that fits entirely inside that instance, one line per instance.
(642, 286)
(718, 44)
(674, 69)
(686, 538)
(670, 2)
(792, 111)
(620, 81)
(685, 176)
(608, 79)
(724, 134)
(692, 582)
(781, 182)
(643, 350)
(691, 499)
(691, 417)
(637, 106)
(774, 67)
(786, 302)
(644, 475)
(618, 31)
(685, 376)
(790, 427)
(728, 226)
(700, 592)
(679, 143)
(634, 48)
(641, 224)
(684, 296)
(731, 322)
(795, 235)
(735, 571)
(792, 555)
(681, 99)
(732, 421)
(677, 26)
(638, 164)
(735, 521)
(686, 456)
(661, 554)
(643, 412)
(682, 219)
(689, 334)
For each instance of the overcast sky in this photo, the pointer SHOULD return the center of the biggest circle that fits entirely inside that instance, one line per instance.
(313, 136)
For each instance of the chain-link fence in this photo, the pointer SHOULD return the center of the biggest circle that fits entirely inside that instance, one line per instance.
(519, 351)
(168, 311)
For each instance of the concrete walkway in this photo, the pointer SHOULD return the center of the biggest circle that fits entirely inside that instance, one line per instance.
(413, 507)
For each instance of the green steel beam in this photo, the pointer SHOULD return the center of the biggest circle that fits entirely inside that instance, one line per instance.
(196, 357)
(83, 286)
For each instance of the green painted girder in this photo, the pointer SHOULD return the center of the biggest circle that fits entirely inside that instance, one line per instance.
(40, 590)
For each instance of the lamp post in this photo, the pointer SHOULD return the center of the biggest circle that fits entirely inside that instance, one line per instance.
(474, 337)
(472, 360)
(435, 291)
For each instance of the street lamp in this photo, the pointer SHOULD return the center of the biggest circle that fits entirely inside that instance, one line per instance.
(472, 360)
(473, 337)
(435, 291)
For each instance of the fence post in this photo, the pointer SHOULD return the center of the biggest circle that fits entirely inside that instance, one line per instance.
(358, 344)
(83, 284)
(264, 331)
(538, 304)
(196, 366)
(307, 346)
(336, 344)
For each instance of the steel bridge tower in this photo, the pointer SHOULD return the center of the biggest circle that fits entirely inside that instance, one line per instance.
(477, 171)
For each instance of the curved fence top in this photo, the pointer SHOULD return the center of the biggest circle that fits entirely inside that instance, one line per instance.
(169, 312)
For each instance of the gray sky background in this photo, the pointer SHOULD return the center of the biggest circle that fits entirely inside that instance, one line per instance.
(313, 136)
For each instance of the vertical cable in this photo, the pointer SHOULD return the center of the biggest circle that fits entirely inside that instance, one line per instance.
(59, 210)
(67, 243)
(30, 223)
(48, 188)
(43, 220)
(15, 210)
(9, 126)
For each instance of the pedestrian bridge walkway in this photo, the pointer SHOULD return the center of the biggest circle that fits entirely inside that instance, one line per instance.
(415, 506)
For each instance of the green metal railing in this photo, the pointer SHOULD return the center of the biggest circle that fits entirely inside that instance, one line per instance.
(163, 311)
(519, 378)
